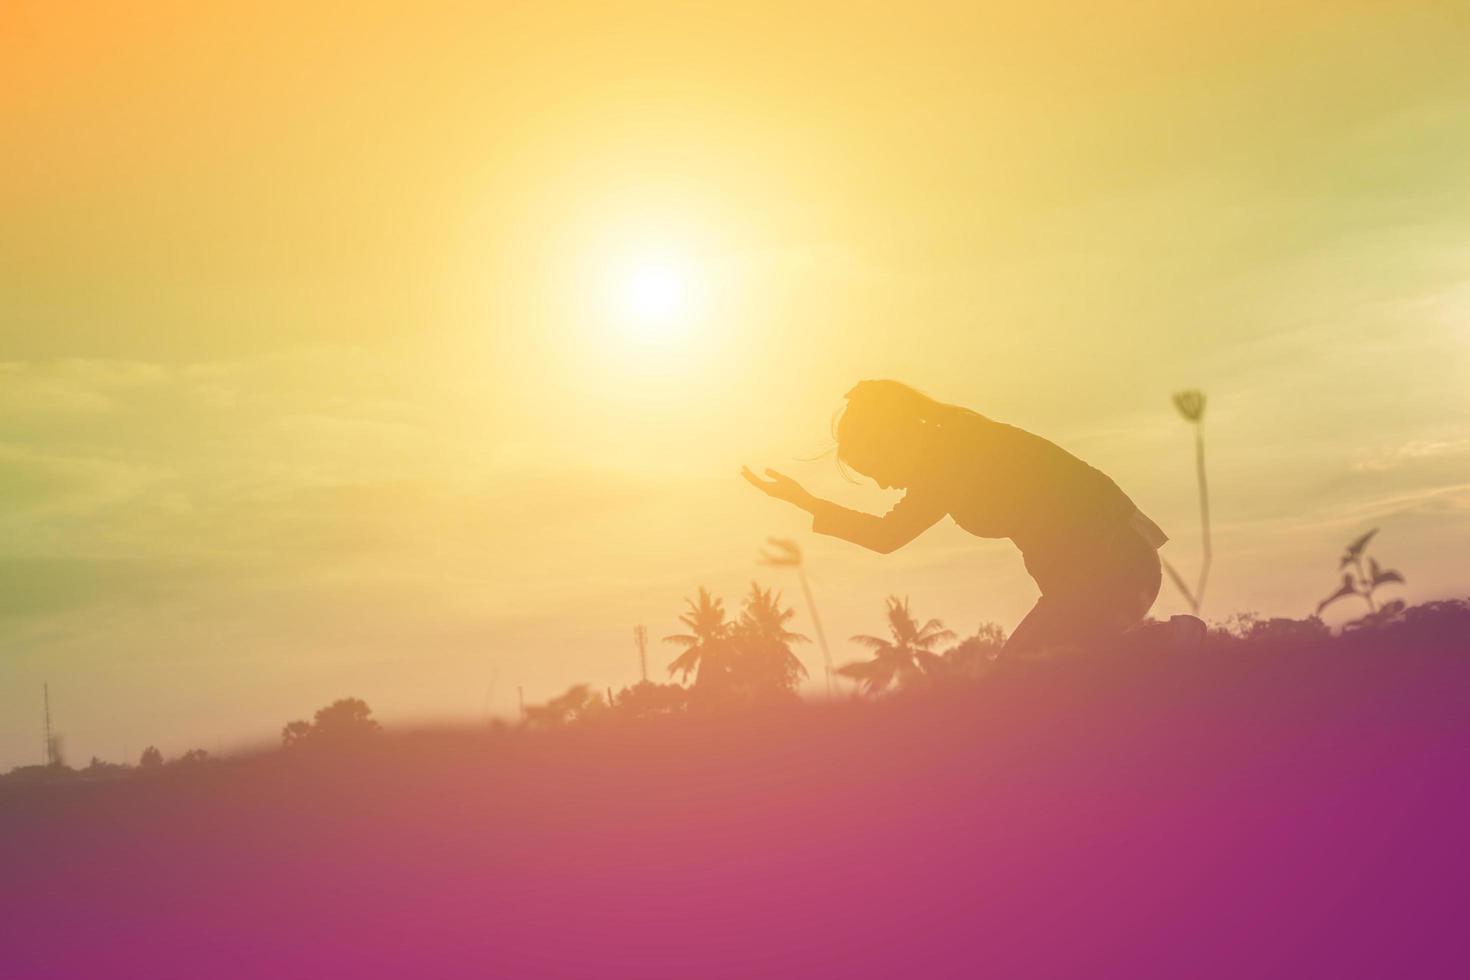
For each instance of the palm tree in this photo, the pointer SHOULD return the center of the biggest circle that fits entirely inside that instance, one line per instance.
(766, 662)
(907, 657)
(788, 555)
(707, 648)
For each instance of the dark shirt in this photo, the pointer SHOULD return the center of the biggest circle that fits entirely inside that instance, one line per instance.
(998, 481)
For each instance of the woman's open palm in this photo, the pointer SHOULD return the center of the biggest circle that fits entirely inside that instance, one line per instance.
(778, 485)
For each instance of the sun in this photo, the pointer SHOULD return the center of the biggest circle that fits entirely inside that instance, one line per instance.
(652, 296)
(655, 292)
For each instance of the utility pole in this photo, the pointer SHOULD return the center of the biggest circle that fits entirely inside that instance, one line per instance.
(640, 634)
(521, 699)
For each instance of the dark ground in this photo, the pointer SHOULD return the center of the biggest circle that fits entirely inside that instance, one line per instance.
(1243, 811)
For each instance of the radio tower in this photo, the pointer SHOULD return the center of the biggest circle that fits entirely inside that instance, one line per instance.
(48, 744)
(640, 634)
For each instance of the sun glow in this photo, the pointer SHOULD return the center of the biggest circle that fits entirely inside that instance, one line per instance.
(655, 292)
(653, 297)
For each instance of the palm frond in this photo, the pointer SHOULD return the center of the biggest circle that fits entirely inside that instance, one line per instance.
(686, 662)
(932, 663)
(932, 632)
(875, 675)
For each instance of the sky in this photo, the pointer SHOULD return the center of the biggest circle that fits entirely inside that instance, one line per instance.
(411, 351)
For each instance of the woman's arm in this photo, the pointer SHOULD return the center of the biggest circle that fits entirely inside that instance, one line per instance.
(909, 518)
(906, 520)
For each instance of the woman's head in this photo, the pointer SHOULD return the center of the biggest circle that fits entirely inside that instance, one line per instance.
(885, 429)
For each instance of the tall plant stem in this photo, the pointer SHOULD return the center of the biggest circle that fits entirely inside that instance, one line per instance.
(1366, 584)
(1178, 581)
(1204, 514)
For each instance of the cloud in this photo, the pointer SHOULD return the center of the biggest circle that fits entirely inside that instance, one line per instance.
(70, 387)
(1413, 451)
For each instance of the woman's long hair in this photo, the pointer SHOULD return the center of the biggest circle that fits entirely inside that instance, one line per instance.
(880, 411)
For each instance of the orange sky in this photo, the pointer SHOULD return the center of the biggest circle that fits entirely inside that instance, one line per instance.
(319, 377)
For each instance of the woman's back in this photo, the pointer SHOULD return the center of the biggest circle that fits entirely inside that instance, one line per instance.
(1001, 481)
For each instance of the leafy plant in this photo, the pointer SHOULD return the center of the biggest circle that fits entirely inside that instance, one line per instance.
(1362, 576)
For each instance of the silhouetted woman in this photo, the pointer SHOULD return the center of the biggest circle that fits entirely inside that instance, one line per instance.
(1089, 548)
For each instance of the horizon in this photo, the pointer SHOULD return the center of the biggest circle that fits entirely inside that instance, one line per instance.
(413, 356)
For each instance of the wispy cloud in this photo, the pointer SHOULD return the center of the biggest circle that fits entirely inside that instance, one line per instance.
(1412, 451)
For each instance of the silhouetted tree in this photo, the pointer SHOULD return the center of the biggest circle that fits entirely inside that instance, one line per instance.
(295, 732)
(151, 758)
(707, 647)
(578, 703)
(345, 721)
(1247, 632)
(192, 757)
(1450, 615)
(974, 654)
(764, 665)
(649, 700)
(906, 657)
(100, 768)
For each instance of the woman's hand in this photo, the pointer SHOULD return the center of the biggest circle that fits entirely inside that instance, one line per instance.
(780, 486)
